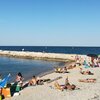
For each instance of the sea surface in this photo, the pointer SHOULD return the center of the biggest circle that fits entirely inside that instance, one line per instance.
(30, 67)
(54, 49)
(27, 67)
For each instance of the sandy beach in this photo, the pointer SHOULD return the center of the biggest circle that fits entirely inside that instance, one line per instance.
(47, 91)
(87, 91)
(49, 50)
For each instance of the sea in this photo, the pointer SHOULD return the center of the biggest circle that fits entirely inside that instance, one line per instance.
(29, 67)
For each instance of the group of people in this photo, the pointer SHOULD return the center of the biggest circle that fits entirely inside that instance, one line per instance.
(17, 85)
(68, 86)
(32, 82)
(19, 81)
(87, 61)
(95, 62)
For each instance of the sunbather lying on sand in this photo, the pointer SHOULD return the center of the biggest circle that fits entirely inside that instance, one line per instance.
(88, 80)
(67, 85)
(61, 70)
(86, 72)
(71, 66)
(37, 81)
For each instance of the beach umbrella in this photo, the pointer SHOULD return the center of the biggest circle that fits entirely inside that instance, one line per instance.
(4, 81)
(92, 55)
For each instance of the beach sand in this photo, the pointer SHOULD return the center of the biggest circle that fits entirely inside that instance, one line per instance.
(87, 91)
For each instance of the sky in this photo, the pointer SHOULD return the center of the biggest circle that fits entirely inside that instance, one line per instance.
(49, 22)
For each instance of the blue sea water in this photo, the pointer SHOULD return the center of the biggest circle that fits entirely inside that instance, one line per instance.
(35, 67)
(27, 67)
(54, 49)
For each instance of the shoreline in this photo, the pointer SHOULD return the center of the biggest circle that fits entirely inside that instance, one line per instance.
(43, 74)
(14, 53)
(52, 71)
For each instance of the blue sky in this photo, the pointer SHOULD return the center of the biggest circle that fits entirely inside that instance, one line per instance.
(50, 22)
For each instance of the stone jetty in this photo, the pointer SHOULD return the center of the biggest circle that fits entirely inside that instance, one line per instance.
(39, 55)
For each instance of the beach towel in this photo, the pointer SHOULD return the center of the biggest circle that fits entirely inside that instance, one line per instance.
(57, 86)
(4, 81)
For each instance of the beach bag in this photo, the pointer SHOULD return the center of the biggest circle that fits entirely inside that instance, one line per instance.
(6, 92)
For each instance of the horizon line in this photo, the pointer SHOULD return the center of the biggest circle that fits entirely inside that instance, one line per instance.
(47, 46)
